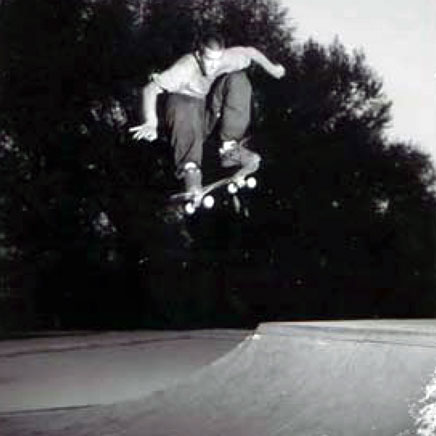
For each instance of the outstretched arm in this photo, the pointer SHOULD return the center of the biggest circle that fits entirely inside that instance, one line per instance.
(148, 130)
(275, 70)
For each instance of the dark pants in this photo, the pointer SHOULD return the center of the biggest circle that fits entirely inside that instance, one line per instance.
(189, 120)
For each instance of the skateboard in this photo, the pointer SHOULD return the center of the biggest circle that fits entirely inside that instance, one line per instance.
(191, 202)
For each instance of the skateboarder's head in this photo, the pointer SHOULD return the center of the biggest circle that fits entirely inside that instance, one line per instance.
(210, 51)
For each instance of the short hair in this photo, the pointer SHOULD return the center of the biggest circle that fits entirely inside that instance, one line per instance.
(212, 40)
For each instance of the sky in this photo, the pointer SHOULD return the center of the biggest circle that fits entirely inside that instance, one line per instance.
(398, 38)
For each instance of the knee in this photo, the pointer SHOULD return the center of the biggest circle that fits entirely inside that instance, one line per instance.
(238, 80)
(255, 160)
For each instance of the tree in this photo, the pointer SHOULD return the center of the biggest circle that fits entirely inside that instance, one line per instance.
(329, 182)
(342, 223)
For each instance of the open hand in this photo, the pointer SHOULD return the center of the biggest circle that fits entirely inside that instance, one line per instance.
(144, 131)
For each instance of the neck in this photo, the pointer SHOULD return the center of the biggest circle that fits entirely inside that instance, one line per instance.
(199, 63)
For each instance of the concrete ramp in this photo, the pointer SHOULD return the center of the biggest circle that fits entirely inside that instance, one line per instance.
(355, 378)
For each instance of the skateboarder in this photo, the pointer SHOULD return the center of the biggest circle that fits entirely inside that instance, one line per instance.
(206, 88)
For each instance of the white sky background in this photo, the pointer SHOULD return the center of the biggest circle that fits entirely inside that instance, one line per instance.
(398, 38)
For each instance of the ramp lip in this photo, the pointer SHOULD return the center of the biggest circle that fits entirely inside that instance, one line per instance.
(410, 332)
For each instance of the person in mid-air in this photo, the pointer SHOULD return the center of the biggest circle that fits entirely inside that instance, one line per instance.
(206, 88)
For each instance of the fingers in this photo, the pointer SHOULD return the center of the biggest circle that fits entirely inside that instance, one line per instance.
(144, 135)
(137, 136)
(151, 136)
(143, 132)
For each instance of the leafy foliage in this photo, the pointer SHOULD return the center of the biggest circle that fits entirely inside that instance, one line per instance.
(342, 223)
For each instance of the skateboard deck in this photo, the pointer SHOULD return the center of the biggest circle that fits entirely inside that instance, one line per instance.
(191, 202)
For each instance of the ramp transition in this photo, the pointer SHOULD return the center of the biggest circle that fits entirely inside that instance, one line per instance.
(349, 378)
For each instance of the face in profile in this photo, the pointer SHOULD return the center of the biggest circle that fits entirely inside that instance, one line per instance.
(211, 60)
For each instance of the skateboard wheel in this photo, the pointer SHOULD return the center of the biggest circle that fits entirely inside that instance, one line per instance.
(251, 182)
(232, 188)
(208, 202)
(189, 208)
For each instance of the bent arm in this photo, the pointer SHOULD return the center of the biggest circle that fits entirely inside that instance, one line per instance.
(148, 130)
(275, 70)
(149, 103)
(170, 80)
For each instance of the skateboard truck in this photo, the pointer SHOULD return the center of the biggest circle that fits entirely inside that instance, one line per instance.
(234, 186)
(204, 197)
(207, 201)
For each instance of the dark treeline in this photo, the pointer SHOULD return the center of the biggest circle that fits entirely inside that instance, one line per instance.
(342, 224)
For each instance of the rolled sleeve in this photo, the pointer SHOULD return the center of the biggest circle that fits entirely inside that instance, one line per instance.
(174, 78)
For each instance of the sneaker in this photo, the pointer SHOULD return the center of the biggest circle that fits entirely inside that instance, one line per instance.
(230, 154)
(233, 153)
(192, 177)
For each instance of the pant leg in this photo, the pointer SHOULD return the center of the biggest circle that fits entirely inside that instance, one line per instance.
(231, 97)
(185, 124)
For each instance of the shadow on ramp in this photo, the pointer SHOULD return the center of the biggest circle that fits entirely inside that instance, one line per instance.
(350, 378)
